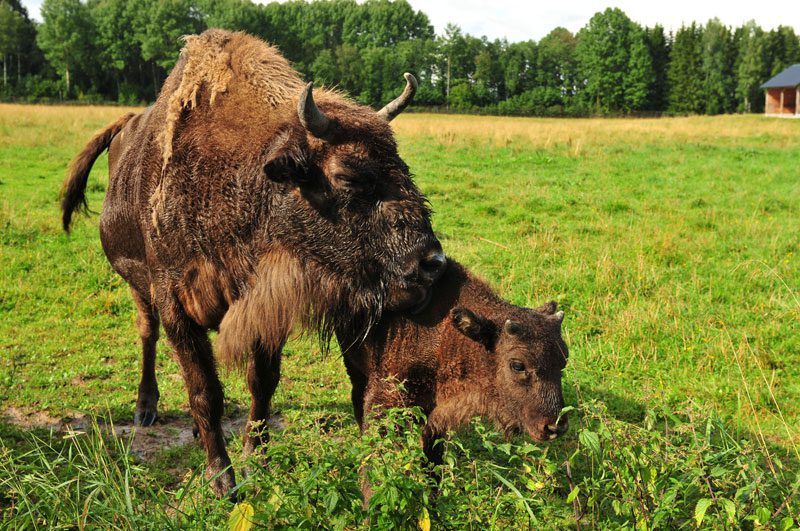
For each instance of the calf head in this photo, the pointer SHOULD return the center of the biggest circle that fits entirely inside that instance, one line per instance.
(350, 204)
(526, 354)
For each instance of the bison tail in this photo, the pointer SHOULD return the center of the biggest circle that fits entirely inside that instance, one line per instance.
(73, 192)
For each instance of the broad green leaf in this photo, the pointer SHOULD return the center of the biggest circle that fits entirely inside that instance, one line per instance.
(763, 515)
(590, 440)
(700, 510)
(424, 520)
(241, 517)
(574, 494)
(730, 508)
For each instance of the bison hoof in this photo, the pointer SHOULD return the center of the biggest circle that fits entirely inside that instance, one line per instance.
(145, 417)
(222, 481)
(195, 430)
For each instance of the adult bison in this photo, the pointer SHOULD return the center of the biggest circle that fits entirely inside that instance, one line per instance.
(469, 353)
(242, 201)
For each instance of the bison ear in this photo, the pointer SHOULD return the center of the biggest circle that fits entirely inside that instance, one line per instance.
(474, 326)
(285, 160)
(284, 169)
(548, 308)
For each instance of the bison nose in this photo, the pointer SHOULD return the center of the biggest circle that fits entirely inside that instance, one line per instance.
(432, 265)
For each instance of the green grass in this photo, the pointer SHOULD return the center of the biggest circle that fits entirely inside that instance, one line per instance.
(671, 244)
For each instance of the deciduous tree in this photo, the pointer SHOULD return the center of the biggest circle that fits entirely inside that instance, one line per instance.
(11, 23)
(613, 62)
(65, 35)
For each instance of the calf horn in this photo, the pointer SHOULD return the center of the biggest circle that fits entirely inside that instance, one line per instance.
(395, 107)
(310, 116)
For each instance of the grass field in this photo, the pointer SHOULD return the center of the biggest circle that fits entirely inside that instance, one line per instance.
(671, 244)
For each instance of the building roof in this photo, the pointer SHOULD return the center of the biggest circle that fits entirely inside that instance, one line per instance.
(788, 78)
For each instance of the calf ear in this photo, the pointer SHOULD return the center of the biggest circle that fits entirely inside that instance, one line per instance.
(474, 326)
(548, 308)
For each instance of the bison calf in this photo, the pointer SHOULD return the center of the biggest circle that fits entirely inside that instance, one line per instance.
(468, 354)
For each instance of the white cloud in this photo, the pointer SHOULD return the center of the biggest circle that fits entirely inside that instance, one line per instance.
(33, 7)
(519, 20)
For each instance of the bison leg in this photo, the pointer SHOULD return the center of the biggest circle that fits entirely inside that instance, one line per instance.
(359, 382)
(193, 353)
(147, 323)
(263, 374)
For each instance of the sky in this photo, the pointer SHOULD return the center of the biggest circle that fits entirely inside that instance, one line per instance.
(518, 20)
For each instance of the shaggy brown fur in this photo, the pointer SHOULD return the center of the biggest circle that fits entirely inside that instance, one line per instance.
(241, 201)
(468, 354)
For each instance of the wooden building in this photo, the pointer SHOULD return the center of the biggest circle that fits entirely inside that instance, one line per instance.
(782, 93)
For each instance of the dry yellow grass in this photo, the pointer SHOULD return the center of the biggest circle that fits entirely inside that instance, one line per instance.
(34, 125)
(581, 133)
(38, 125)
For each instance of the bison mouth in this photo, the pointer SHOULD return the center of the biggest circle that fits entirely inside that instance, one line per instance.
(415, 291)
(420, 306)
(411, 299)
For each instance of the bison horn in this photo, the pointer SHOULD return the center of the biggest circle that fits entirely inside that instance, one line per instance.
(310, 116)
(395, 107)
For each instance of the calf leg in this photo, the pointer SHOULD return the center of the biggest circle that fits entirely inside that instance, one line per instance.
(193, 353)
(263, 375)
(147, 323)
(434, 452)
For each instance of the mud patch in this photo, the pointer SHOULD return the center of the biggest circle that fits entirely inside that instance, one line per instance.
(145, 443)
(40, 420)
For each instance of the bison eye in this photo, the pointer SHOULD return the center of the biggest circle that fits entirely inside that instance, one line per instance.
(516, 366)
(354, 183)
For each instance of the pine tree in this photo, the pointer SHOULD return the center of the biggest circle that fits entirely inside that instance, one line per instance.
(783, 49)
(718, 59)
(640, 76)
(659, 49)
(751, 68)
(685, 67)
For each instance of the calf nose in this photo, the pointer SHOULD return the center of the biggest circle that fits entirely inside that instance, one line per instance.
(554, 430)
(432, 264)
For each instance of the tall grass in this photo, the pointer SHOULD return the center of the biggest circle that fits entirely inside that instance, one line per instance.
(669, 243)
(667, 472)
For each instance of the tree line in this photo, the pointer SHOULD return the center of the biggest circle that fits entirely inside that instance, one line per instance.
(122, 50)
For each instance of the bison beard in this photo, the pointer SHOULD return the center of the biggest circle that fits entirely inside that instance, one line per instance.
(246, 202)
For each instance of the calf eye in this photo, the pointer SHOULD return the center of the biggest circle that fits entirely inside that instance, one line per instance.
(517, 366)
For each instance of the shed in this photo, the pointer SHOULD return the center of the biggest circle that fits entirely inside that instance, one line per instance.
(782, 93)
